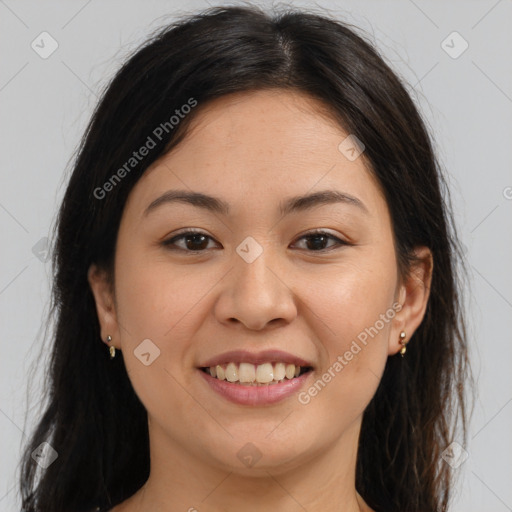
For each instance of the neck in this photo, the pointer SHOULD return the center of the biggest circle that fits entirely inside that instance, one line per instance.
(180, 480)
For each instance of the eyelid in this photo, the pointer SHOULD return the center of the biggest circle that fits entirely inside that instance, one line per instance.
(186, 231)
(340, 242)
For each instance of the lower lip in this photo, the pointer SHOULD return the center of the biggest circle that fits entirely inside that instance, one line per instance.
(256, 395)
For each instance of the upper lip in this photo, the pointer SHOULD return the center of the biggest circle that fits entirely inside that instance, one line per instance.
(266, 356)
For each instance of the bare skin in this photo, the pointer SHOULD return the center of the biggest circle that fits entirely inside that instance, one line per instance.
(254, 151)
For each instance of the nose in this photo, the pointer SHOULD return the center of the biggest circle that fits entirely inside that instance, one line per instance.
(257, 294)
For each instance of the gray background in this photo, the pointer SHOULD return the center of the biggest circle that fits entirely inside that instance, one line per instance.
(45, 104)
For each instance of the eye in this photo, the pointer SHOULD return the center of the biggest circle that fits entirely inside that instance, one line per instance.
(197, 241)
(318, 238)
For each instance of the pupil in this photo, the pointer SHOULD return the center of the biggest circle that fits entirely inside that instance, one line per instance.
(317, 237)
(195, 247)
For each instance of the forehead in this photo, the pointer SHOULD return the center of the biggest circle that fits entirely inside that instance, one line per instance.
(269, 122)
(261, 146)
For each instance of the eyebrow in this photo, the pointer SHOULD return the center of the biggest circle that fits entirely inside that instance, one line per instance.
(291, 205)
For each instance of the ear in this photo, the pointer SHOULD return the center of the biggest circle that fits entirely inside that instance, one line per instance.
(105, 305)
(413, 297)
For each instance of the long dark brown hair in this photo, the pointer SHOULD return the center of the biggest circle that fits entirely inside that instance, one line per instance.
(91, 415)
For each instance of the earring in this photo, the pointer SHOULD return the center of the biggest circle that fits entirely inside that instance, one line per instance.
(112, 348)
(403, 343)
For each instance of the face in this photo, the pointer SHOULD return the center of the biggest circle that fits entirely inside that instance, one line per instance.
(314, 279)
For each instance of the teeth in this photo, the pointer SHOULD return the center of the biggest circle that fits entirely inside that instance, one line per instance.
(279, 371)
(264, 373)
(246, 372)
(231, 372)
(250, 374)
(219, 371)
(290, 371)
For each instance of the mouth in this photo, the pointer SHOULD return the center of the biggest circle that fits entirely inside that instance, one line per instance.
(255, 379)
(249, 374)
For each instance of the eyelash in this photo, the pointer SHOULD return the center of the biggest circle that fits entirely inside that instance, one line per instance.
(168, 243)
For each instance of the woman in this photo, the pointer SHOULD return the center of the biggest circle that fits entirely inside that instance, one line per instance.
(255, 295)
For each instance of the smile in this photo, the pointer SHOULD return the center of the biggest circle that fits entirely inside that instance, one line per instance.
(254, 392)
(249, 374)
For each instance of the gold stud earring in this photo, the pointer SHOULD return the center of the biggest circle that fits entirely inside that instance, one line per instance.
(403, 343)
(112, 348)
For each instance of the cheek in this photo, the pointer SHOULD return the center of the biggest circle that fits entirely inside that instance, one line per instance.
(355, 314)
(157, 303)
(155, 298)
(352, 297)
